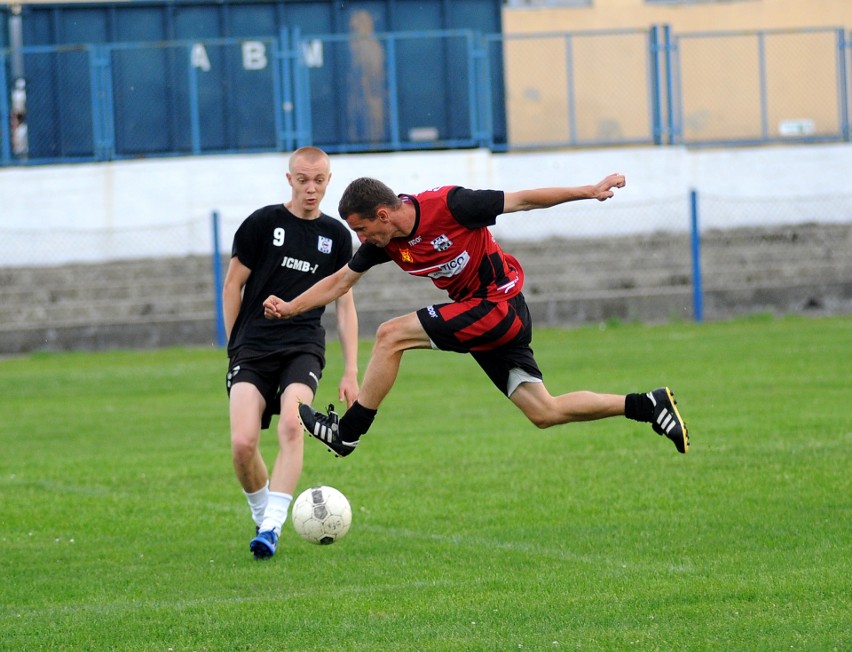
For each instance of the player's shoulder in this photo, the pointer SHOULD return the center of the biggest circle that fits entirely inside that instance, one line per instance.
(436, 193)
(273, 211)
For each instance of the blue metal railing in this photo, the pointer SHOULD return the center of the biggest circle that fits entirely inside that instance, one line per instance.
(431, 89)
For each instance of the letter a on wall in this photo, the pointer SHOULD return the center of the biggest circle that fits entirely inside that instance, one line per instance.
(200, 58)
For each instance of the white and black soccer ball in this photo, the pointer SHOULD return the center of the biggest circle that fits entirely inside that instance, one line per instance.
(321, 515)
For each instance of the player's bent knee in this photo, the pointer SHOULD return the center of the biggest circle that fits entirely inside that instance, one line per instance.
(541, 419)
(243, 447)
(389, 334)
(386, 332)
(289, 427)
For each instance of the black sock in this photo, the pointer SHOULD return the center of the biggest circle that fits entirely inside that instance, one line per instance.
(356, 422)
(639, 408)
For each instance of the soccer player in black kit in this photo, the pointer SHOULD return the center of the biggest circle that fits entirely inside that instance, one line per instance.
(443, 234)
(282, 249)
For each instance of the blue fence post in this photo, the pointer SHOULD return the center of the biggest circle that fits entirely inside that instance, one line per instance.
(656, 93)
(697, 289)
(217, 282)
(842, 84)
(668, 57)
(194, 110)
(5, 131)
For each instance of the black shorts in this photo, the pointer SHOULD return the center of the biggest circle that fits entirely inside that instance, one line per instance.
(272, 373)
(496, 334)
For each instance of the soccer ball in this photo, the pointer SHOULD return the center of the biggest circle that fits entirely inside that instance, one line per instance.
(321, 515)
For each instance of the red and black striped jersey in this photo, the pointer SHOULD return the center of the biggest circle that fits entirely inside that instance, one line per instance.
(452, 245)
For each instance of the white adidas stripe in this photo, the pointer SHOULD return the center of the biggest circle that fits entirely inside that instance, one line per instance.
(666, 420)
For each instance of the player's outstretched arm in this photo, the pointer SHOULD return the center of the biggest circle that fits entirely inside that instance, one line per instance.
(525, 200)
(347, 330)
(320, 294)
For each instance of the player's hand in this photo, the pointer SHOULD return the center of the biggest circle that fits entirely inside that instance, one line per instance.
(347, 390)
(603, 190)
(275, 308)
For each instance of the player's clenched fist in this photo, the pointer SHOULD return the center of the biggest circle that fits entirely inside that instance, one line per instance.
(275, 308)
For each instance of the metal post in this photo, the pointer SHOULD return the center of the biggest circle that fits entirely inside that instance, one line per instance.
(842, 83)
(697, 289)
(16, 43)
(194, 104)
(656, 93)
(217, 283)
(668, 50)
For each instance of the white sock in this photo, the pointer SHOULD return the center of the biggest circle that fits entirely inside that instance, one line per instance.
(257, 501)
(276, 512)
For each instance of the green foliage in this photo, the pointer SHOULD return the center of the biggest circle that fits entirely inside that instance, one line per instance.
(122, 526)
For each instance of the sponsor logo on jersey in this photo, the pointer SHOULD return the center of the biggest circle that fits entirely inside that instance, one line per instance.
(442, 243)
(415, 241)
(451, 267)
(298, 265)
(432, 312)
(324, 245)
(406, 256)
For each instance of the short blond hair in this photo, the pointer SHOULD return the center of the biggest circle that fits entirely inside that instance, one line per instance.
(309, 152)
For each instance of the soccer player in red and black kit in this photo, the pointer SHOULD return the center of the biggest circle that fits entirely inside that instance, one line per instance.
(443, 234)
(275, 366)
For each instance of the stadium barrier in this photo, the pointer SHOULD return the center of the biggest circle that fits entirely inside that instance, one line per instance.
(798, 262)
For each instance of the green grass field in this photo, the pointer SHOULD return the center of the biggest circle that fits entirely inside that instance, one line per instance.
(122, 526)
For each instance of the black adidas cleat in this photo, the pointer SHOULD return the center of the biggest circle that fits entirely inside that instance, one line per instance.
(326, 428)
(667, 420)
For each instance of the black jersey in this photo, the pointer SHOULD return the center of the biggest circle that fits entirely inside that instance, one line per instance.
(286, 256)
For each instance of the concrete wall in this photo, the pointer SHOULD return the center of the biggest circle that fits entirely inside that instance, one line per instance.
(800, 269)
(119, 255)
(133, 209)
(729, 84)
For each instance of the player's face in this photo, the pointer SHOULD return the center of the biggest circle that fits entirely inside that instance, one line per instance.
(309, 181)
(377, 232)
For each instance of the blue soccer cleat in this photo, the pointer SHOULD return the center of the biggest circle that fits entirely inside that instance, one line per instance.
(263, 545)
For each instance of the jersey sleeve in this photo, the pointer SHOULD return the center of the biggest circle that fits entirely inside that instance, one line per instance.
(368, 256)
(475, 208)
(245, 246)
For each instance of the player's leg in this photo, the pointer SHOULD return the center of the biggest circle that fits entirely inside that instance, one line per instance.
(342, 434)
(657, 407)
(515, 372)
(246, 405)
(546, 410)
(513, 369)
(285, 472)
(393, 338)
(288, 463)
(298, 374)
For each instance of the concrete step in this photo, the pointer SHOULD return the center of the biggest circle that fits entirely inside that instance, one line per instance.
(648, 277)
